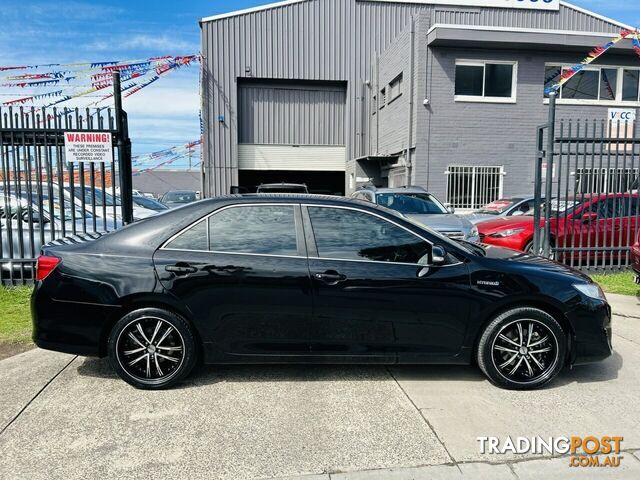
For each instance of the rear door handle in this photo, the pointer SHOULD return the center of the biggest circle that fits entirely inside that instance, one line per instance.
(181, 269)
(330, 277)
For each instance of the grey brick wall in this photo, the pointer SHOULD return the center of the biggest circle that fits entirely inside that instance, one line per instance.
(466, 133)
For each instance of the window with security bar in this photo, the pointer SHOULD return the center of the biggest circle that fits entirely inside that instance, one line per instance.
(606, 180)
(471, 187)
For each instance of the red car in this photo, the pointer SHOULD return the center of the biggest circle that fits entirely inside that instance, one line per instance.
(635, 257)
(606, 224)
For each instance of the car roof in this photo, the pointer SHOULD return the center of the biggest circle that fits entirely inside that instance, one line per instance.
(409, 189)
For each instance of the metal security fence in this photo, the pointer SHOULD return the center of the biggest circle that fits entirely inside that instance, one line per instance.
(44, 195)
(471, 187)
(589, 171)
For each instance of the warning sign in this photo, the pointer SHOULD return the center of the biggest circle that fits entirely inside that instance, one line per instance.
(88, 147)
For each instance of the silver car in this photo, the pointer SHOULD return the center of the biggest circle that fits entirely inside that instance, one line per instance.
(24, 228)
(419, 205)
(503, 207)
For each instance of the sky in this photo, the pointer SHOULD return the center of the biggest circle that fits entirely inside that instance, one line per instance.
(165, 113)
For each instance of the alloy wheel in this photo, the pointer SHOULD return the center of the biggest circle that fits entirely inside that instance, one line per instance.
(150, 349)
(525, 351)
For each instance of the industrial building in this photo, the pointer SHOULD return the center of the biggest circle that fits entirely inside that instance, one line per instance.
(446, 94)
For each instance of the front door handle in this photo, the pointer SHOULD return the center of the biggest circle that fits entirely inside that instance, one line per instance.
(181, 269)
(330, 277)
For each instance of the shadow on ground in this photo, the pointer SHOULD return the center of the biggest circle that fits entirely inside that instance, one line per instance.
(209, 374)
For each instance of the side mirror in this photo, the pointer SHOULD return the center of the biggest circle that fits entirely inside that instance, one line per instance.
(438, 255)
(589, 217)
(517, 213)
(449, 208)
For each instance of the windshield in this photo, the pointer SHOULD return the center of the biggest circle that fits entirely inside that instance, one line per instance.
(149, 203)
(100, 195)
(497, 207)
(411, 203)
(48, 207)
(563, 206)
(180, 197)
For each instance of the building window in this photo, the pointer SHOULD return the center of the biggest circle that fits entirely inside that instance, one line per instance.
(488, 81)
(471, 187)
(383, 97)
(606, 180)
(395, 88)
(595, 84)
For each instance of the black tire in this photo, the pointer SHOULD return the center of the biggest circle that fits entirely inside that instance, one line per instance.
(152, 348)
(505, 349)
(528, 248)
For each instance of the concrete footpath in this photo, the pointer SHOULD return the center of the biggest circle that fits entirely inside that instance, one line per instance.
(67, 417)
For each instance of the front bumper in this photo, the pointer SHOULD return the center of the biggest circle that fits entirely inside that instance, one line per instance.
(591, 320)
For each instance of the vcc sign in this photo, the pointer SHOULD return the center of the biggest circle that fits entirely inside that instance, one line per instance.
(622, 115)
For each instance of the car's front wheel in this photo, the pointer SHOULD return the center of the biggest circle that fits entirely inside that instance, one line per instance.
(522, 349)
(152, 348)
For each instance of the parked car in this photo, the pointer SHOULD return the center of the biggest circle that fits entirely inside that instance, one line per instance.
(423, 207)
(341, 282)
(504, 207)
(635, 257)
(599, 222)
(25, 227)
(282, 188)
(177, 198)
(149, 203)
(99, 198)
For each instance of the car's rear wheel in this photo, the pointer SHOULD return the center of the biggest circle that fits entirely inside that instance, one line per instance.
(152, 348)
(522, 349)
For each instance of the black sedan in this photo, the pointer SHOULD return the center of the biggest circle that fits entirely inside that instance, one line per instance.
(310, 279)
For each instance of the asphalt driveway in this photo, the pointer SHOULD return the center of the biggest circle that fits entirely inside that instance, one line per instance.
(70, 417)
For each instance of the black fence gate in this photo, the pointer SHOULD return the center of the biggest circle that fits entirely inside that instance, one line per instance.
(44, 195)
(587, 180)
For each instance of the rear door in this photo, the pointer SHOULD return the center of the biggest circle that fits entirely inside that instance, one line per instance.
(373, 297)
(243, 273)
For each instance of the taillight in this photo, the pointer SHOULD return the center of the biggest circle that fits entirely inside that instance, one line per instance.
(45, 265)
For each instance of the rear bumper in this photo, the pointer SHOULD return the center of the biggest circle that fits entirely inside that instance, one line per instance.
(592, 323)
(70, 327)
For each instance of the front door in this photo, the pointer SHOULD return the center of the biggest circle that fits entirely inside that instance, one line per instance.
(243, 273)
(374, 298)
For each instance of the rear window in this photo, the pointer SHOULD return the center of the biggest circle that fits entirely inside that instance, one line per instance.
(259, 230)
(496, 207)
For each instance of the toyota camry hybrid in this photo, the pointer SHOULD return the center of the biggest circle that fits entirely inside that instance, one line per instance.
(310, 279)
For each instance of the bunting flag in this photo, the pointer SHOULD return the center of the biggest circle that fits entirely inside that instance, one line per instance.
(636, 43)
(90, 77)
(568, 73)
(168, 155)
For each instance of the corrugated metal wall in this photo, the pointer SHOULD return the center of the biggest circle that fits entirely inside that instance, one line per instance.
(333, 40)
(291, 113)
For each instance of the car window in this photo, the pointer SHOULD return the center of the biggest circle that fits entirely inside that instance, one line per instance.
(496, 207)
(256, 229)
(195, 238)
(354, 235)
(411, 203)
(631, 206)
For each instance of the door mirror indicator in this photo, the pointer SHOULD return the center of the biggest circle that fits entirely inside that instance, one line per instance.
(589, 217)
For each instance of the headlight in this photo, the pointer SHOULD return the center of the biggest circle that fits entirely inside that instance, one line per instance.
(506, 233)
(591, 290)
